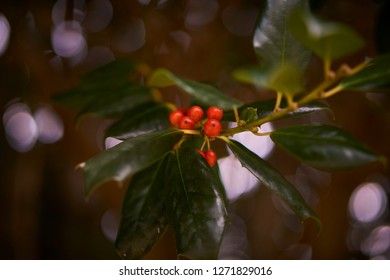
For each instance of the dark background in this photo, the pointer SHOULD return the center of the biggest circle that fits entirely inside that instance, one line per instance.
(43, 213)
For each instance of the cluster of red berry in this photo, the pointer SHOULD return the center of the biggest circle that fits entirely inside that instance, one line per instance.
(191, 118)
(210, 156)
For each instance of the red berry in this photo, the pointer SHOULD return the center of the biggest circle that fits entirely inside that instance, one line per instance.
(214, 113)
(202, 153)
(212, 128)
(211, 157)
(175, 117)
(183, 110)
(195, 113)
(187, 123)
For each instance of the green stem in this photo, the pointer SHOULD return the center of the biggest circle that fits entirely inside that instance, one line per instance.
(320, 92)
(191, 132)
(327, 68)
(261, 133)
(249, 126)
(279, 96)
(332, 91)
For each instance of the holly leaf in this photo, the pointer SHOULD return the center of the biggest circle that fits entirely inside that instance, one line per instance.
(196, 209)
(143, 119)
(201, 93)
(97, 84)
(273, 43)
(127, 158)
(328, 40)
(142, 217)
(285, 78)
(273, 180)
(374, 77)
(119, 69)
(324, 147)
(118, 102)
(79, 96)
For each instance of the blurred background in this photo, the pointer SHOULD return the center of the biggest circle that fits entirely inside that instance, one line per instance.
(46, 45)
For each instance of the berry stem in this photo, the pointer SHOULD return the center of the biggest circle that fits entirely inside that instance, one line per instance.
(279, 96)
(208, 143)
(191, 132)
(203, 144)
(178, 144)
(236, 116)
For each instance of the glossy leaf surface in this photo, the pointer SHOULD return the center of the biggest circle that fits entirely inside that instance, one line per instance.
(285, 78)
(127, 158)
(201, 93)
(324, 147)
(81, 95)
(274, 44)
(374, 77)
(328, 40)
(196, 209)
(98, 84)
(143, 217)
(273, 180)
(143, 119)
(119, 69)
(121, 100)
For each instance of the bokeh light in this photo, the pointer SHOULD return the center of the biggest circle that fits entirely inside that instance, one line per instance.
(59, 11)
(68, 39)
(109, 224)
(5, 31)
(240, 19)
(131, 36)
(236, 179)
(49, 124)
(98, 16)
(110, 142)
(235, 244)
(182, 38)
(200, 12)
(260, 145)
(23, 129)
(144, 2)
(368, 202)
(20, 127)
(378, 242)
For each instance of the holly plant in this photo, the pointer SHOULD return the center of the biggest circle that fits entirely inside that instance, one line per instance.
(168, 152)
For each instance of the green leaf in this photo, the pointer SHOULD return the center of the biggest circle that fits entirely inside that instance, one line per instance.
(248, 114)
(127, 158)
(201, 93)
(274, 44)
(265, 108)
(99, 83)
(142, 217)
(285, 78)
(196, 209)
(374, 77)
(119, 69)
(328, 40)
(79, 96)
(324, 147)
(273, 180)
(146, 118)
(119, 101)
